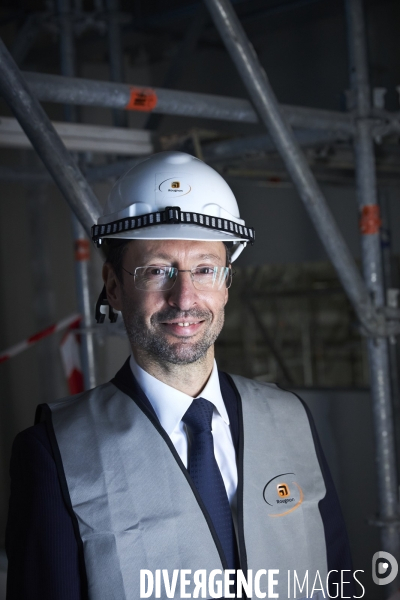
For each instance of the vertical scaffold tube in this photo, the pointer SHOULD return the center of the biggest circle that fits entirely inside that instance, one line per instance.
(81, 243)
(373, 274)
(115, 55)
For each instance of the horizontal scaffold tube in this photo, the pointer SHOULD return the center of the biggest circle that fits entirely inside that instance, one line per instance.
(86, 92)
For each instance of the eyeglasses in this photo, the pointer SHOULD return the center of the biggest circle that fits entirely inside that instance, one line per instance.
(156, 278)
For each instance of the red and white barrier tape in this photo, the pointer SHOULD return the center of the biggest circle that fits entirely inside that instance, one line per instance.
(17, 348)
(71, 360)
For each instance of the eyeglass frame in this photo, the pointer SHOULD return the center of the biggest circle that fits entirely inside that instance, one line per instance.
(230, 269)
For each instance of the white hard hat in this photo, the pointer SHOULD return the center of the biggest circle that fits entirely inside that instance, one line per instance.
(173, 195)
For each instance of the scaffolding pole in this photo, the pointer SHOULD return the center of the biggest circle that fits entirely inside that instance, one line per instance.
(115, 55)
(86, 92)
(247, 145)
(81, 243)
(263, 97)
(47, 142)
(373, 273)
(256, 81)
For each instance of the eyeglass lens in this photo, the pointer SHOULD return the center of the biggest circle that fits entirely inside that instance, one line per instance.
(155, 278)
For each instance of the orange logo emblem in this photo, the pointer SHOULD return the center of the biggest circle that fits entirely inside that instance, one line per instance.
(283, 490)
(175, 184)
(280, 498)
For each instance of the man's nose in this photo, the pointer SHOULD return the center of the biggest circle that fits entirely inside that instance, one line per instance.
(183, 295)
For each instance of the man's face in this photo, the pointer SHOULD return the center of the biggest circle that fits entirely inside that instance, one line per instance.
(178, 325)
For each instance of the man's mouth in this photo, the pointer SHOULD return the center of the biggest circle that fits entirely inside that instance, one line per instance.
(184, 328)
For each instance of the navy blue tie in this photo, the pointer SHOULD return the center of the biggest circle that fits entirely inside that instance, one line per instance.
(206, 476)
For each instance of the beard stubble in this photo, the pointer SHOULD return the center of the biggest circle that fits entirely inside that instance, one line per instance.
(153, 340)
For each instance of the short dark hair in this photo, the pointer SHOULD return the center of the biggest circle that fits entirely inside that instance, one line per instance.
(228, 250)
(115, 249)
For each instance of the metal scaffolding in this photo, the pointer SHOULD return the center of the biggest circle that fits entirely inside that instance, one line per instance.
(115, 55)
(373, 274)
(46, 142)
(367, 295)
(81, 243)
(257, 83)
(367, 298)
(86, 92)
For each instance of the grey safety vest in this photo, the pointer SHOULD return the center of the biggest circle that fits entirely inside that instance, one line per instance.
(137, 508)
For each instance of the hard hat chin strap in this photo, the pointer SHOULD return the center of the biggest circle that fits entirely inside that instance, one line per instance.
(238, 250)
(102, 305)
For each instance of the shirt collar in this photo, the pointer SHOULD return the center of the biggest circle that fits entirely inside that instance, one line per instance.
(170, 404)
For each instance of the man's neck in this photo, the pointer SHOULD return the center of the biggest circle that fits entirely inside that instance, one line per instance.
(189, 379)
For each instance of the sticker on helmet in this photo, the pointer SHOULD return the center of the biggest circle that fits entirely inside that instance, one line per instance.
(173, 187)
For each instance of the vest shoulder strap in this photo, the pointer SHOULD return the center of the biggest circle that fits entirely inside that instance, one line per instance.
(282, 483)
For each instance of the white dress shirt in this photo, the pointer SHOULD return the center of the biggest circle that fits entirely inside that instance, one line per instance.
(170, 405)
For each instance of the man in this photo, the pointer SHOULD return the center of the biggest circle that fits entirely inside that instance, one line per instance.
(172, 465)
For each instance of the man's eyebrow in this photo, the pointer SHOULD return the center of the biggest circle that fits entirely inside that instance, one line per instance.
(207, 256)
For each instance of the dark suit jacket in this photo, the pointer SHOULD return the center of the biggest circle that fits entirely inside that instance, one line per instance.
(43, 545)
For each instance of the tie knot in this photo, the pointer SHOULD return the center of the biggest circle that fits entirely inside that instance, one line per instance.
(198, 416)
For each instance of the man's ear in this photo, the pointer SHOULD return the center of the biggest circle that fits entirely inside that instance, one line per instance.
(113, 286)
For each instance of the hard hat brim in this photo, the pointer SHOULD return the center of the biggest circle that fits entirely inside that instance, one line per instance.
(176, 232)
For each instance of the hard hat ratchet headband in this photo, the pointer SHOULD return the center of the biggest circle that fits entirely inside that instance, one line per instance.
(173, 215)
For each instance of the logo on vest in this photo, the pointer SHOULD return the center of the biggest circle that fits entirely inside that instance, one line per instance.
(283, 490)
(281, 498)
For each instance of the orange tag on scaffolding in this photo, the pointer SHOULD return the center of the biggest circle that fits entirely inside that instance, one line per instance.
(370, 221)
(82, 250)
(142, 99)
